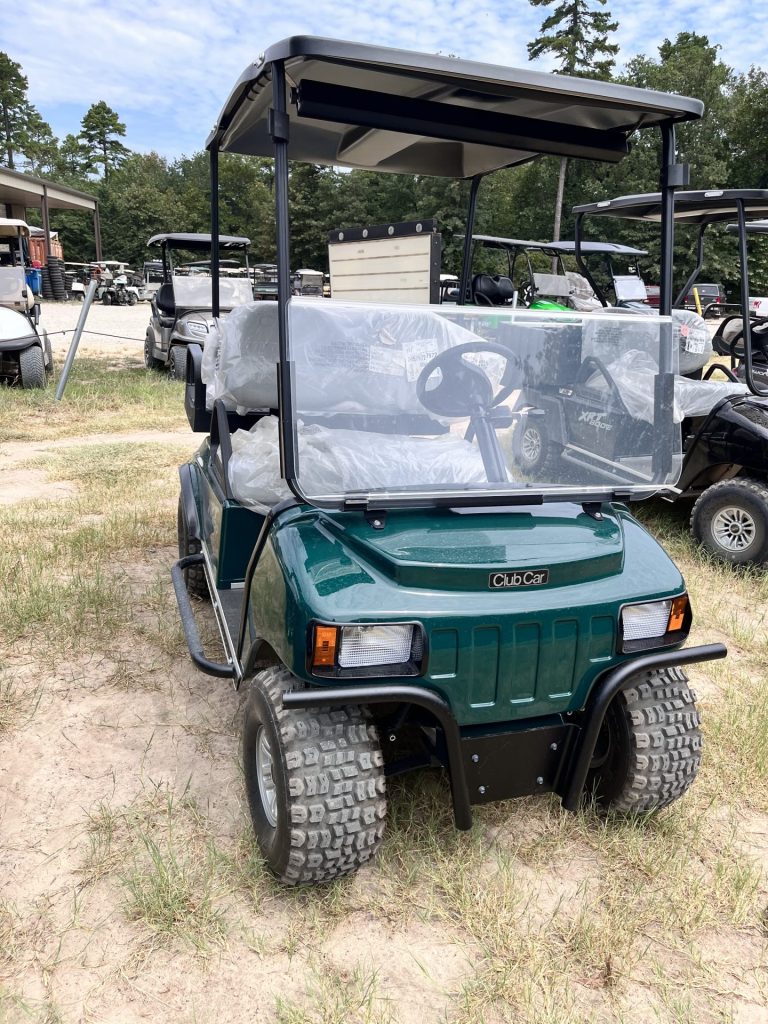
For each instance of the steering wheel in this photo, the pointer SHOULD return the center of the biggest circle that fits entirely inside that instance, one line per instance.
(527, 292)
(464, 388)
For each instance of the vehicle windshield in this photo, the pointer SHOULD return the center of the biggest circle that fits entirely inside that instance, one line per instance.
(443, 402)
(194, 291)
(12, 283)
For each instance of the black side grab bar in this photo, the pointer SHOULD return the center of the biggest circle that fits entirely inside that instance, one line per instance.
(211, 668)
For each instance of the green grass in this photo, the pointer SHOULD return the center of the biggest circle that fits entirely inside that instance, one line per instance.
(102, 395)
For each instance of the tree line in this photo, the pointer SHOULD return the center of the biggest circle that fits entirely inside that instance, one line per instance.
(142, 194)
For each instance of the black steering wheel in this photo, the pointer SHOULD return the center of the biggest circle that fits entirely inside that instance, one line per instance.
(464, 389)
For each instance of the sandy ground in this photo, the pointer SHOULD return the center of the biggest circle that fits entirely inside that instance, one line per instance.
(108, 329)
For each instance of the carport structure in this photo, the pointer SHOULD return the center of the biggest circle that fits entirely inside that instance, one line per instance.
(21, 192)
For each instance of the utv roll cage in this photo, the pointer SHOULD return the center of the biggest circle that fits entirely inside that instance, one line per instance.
(700, 209)
(332, 102)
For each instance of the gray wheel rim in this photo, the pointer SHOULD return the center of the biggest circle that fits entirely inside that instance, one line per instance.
(531, 445)
(267, 788)
(734, 528)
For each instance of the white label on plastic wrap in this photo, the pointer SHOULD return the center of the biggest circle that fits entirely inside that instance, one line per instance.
(386, 360)
(490, 363)
(692, 342)
(417, 355)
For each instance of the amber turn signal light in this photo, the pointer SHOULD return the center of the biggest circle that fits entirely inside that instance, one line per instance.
(324, 648)
(677, 613)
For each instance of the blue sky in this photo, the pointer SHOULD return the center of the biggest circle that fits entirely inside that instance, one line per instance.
(167, 66)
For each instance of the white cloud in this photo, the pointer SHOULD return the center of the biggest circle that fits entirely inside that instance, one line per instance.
(167, 66)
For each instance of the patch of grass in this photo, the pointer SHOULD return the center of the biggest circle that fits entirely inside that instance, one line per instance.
(334, 996)
(16, 702)
(101, 396)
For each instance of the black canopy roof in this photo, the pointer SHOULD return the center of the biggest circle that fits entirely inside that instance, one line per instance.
(703, 207)
(754, 227)
(552, 248)
(383, 109)
(198, 243)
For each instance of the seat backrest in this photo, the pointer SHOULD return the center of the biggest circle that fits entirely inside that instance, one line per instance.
(164, 299)
(485, 290)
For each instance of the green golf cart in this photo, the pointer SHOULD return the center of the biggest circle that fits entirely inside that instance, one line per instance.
(393, 593)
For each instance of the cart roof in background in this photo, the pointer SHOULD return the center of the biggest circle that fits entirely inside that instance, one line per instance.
(754, 227)
(702, 207)
(12, 228)
(553, 248)
(372, 107)
(197, 243)
(602, 248)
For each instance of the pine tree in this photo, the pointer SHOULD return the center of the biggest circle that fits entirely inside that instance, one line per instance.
(101, 130)
(576, 34)
(14, 109)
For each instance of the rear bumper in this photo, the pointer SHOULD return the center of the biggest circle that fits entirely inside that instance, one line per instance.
(554, 755)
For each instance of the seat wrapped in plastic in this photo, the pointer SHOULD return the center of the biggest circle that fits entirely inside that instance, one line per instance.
(335, 461)
(362, 361)
(634, 374)
(582, 297)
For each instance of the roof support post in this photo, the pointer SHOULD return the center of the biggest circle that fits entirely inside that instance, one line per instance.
(744, 274)
(466, 265)
(672, 176)
(97, 232)
(215, 296)
(580, 261)
(680, 300)
(46, 223)
(279, 130)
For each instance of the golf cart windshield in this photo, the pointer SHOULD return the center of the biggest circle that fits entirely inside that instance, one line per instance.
(408, 402)
(194, 291)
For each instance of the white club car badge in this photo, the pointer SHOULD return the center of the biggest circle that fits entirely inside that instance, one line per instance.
(518, 578)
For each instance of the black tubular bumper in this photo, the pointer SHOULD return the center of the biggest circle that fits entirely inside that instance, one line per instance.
(566, 773)
(211, 668)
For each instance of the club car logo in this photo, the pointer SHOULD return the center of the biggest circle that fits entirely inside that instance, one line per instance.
(518, 578)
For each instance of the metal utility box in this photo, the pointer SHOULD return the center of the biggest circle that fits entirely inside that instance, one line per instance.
(386, 263)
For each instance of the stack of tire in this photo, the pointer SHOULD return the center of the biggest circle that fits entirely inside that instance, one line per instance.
(56, 274)
(69, 280)
(47, 286)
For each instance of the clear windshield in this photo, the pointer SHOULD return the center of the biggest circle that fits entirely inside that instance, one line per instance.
(12, 283)
(195, 291)
(408, 401)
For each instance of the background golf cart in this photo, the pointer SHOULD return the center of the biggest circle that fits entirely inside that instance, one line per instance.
(115, 286)
(725, 425)
(25, 349)
(182, 305)
(401, 594)
(537, 276)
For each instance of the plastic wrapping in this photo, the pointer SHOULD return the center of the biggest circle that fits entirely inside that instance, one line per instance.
(343, 461)
(364, 362)
(634, 374)
(582, 296)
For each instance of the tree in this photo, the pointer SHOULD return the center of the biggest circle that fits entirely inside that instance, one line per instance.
(576, 34)
(101, 130)
(74, 160)
(14, 108)
(41, 147)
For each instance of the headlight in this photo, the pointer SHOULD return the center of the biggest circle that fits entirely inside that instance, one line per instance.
(196, 327)
(339, 648)
(654, 623)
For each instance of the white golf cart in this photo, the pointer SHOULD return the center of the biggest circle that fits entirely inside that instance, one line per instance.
(25, 351)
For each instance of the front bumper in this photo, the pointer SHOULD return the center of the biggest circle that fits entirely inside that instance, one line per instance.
(547, 756)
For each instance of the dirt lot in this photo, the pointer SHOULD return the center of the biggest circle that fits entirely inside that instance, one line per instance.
(131, 887)
(109, 329)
